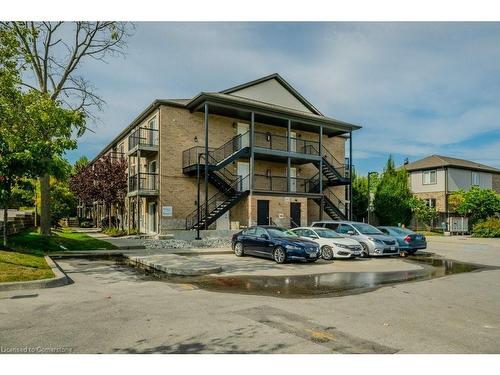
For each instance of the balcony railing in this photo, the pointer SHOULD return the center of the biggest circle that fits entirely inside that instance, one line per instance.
(146, 182)
(277, 142)
(143, 137)
(279, 184)
(190, 156)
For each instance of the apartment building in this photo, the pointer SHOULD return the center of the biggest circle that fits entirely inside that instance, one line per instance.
(433, 179)
(257, 153)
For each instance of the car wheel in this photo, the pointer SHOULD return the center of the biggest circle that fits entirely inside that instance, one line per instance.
(365, 253)
(279, 255)
(327, 252)
(238, 249)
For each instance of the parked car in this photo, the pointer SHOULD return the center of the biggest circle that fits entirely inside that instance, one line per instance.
(408, 240)
(331, 243)
(274, 242)
(374, 242)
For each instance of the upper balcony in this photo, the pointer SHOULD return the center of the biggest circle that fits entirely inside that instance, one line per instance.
(143, 184)
(145, 140)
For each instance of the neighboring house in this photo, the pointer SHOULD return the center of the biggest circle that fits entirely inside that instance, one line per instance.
(265, 146)
(433, 178)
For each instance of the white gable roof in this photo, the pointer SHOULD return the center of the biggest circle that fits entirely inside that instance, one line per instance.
(273, 90)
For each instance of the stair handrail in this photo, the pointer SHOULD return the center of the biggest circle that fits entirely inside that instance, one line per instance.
(340, 204)
(327, 155)
(228, 148)
(237, 185)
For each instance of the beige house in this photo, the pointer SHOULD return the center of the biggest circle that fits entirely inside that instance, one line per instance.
(257, 153)
(433, 178)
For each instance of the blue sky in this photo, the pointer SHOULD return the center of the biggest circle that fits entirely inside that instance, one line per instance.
(416, 88)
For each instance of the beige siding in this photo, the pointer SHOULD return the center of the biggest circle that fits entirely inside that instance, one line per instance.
(417, 186)
(272, 91)
(462, 179)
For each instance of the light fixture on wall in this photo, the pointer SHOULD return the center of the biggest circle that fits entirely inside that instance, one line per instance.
(195, 139)
(234, 125)
(268, 173)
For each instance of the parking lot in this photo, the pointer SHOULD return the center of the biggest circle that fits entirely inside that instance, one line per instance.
(111, 308)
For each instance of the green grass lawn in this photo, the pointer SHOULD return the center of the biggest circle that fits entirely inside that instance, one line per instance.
(33, 242)
(23, 267)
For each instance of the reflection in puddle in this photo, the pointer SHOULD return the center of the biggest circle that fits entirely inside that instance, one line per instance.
(327, 285)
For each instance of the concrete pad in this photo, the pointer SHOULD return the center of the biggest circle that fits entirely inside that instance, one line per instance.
(172, 264)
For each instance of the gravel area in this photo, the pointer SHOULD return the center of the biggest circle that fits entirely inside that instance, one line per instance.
(187, 244)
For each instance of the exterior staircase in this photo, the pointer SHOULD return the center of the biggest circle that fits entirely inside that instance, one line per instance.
(218, 204)
(232, 188)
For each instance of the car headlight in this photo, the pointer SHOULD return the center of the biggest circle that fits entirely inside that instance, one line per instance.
(292, 247)
(341, 245)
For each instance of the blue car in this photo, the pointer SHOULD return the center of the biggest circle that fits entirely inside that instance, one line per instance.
(408, 240)
(276, 243)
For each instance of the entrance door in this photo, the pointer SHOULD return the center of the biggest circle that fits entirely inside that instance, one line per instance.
(243, 169)
(152, 217)
(243, 129)
(294, 214)
(153, 133)
(152, 176)
(293, 142)
(293, 181)
(262, 212)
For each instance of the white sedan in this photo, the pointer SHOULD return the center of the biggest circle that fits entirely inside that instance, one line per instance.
(332, 244)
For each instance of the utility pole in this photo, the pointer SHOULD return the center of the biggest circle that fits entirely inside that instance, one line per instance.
(369, 209)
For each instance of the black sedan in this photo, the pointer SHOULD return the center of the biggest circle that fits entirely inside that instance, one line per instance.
(276, 243)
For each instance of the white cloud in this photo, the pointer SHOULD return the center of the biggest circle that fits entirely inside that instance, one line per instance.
(416, 88)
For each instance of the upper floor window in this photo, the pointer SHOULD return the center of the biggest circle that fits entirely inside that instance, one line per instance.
(476, 178)
(152, 123)
(429, 177)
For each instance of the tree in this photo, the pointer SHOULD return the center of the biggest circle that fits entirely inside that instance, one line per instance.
(53, 52)
(479, 204)
(421, 211)
(455, 200)
(359, 196)
(392, 196)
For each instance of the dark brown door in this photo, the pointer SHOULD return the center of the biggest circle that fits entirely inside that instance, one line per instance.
(294, 214)
(262, 212)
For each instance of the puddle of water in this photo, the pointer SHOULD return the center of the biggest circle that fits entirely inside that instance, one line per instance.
(314, 286)
(327, 285)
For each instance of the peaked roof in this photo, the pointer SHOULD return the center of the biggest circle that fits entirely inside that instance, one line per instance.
(283, 83)
(436, 161)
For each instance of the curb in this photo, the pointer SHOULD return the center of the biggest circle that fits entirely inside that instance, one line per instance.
(60, 279)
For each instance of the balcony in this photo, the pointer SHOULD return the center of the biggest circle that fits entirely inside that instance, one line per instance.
(275, 142)
(143, 184)
(144, 139)
(279, 184)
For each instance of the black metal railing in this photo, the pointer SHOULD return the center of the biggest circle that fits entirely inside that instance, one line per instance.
(229, 148)
(280, 184)
(241, 184)
(339, 203)
(144, 137)
(116, 156)
(277, 142)
(145, 181)
(190, 156)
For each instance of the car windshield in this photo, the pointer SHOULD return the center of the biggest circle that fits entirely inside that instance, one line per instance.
(366, 229)
(402, 231)
(280, 232)
(327, 233)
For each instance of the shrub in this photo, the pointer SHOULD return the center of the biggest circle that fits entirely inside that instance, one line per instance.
(86, 224)
(114, 232)
(487, 228)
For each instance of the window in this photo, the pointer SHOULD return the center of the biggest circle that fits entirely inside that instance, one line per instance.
(332, 226)
(429, 177)
(249, 232)
(344, 228)
(259, 232)
(475, 178)
(430, 202)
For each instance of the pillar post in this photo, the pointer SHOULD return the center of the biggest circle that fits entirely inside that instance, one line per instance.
(206, 166)
(289, 162)
(350, 175)
(321, 172)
